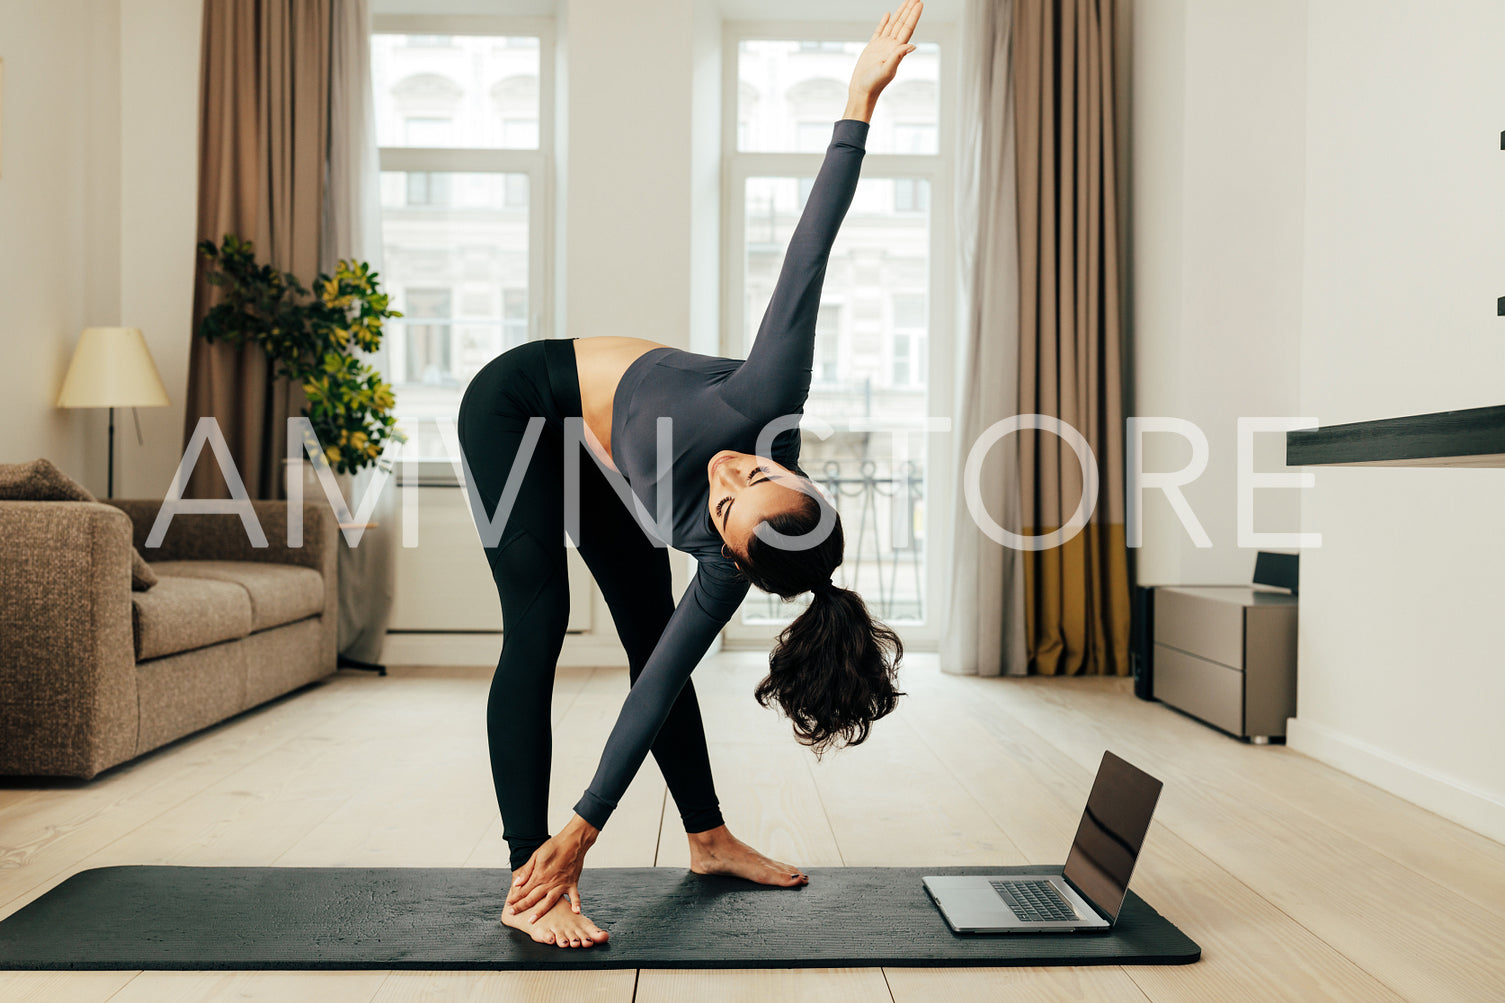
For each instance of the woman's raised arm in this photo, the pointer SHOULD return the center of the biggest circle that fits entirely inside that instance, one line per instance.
(775, 379)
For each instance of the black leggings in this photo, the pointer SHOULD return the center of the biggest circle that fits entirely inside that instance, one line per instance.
(528, 566)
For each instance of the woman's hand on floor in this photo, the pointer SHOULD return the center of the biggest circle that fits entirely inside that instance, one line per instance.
(879, 62)
(553, 871)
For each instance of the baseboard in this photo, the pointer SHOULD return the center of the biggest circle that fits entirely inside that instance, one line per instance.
(1469, 807)
(414, 648)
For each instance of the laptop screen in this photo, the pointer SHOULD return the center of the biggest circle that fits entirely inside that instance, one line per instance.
(1112, 831)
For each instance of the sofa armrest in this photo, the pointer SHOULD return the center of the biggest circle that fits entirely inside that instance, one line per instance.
(221, 536)
(67, 657)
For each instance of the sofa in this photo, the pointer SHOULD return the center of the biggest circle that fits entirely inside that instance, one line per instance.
(93, 674)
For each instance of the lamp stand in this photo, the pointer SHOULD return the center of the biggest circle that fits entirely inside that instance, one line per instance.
(110, 484)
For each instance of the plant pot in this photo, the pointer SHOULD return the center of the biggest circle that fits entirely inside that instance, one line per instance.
(366, 569)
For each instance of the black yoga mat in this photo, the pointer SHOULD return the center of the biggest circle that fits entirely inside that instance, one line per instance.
(248, 918)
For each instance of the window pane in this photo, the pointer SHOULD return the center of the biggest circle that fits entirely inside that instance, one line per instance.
(465, 91)
(426, 341)
(517, 190)
(450, 242)
(418, 130)
(813, 137)
(790, 93)
(827, 344)
(901, 360)
(909, 310)
(515, 316)
(912, 195)
(868, 364)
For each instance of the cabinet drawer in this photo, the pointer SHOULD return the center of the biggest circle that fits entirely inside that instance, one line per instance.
(1201, 626)
(1212, 692)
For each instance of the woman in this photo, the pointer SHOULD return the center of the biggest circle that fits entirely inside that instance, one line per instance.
(748, 517)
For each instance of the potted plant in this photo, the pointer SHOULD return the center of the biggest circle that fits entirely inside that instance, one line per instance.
(312, 337)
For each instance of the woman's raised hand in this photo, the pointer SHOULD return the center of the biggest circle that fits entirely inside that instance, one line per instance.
(890, 43)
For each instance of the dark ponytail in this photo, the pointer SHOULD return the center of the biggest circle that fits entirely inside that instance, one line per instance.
(833, 669)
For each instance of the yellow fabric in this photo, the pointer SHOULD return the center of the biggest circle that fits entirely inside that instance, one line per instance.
(1076, 610)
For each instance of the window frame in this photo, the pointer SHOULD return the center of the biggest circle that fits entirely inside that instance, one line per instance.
(939, 168)
(538, 164)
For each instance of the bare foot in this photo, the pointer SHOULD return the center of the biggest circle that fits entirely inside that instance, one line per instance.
(561, 926)
(719, 852)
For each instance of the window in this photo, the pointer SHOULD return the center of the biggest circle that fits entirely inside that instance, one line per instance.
(426, 342)
(909, 310)
(805, 185)
(781, 85)
(432, 131)
(914, 137)
(428, 188)
(911, 195)
(870, 364)
(827, 344)
(475, 93)
(516, 191)
(901, 369)
(813, 137)
(462, 128)
(909, 324)
(520, 133)
(515, 316)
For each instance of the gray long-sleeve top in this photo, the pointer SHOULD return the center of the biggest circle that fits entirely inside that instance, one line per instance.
(715, 404)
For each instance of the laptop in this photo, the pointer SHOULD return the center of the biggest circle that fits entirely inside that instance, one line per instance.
(1089, 890)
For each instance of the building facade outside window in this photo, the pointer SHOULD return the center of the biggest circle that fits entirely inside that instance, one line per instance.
(873, 353)
(461, 112)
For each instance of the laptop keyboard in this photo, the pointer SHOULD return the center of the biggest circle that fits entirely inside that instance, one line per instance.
(1034, 901)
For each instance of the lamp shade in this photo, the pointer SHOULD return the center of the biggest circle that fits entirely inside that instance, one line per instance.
(112, 367)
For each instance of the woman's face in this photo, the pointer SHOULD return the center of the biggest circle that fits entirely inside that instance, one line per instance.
(745, 490)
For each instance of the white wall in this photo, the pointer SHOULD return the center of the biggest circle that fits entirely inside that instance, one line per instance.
(159, 116)
(97, 204)
(1319, 209)
(1217, 180)
(59, 221)
(1401, 680)
(627, 118)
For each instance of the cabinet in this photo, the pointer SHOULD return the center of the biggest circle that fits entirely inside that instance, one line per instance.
(1227, 654)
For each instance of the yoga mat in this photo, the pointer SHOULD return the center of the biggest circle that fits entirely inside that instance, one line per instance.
(306, 918)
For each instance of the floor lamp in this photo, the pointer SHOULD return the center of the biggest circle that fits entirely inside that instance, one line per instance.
(112, 367)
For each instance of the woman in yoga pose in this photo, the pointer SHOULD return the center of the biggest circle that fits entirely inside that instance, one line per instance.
(725, 487)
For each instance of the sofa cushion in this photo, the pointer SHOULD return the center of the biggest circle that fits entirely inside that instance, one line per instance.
(40, 480)
(180, 613)
(279, 593)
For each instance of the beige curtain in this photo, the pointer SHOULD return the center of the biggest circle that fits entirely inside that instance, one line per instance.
(1071, 365)
(985, 632)
(263, 133)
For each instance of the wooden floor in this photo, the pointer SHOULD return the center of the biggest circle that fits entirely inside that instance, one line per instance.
(1299, 882)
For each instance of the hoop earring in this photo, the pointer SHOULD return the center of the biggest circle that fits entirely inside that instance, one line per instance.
(724, 554)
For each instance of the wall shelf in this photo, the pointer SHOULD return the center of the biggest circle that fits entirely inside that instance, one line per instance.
(1474, 437)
